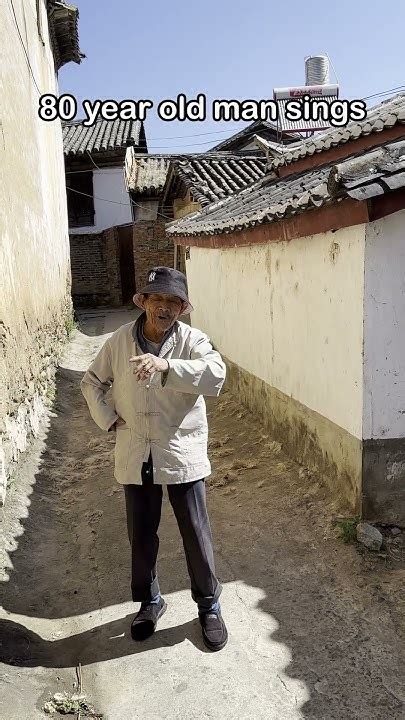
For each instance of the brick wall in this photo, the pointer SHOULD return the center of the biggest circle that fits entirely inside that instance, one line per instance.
(95, 269)
(112, 258)
(95, 262)
(151, 247)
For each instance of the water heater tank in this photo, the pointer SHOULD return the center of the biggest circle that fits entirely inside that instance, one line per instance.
(317, 70)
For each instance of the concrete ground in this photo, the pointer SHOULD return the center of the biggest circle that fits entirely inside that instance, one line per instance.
(316, 627)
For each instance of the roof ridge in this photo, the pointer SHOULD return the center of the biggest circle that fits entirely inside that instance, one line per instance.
(361, 176)
(379, 117)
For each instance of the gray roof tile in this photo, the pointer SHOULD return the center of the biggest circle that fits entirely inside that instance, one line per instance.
(269, 199)
(103, 136)
(146, 173)
(380, 117)
(375, 173)
(264, 128)
(63, 31)
(216, 176)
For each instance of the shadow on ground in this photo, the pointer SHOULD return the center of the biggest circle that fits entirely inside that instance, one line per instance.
(72, 557)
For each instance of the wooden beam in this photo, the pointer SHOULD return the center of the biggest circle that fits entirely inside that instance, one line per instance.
(383, 205)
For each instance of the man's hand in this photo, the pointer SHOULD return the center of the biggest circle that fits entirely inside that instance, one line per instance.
(146, 365)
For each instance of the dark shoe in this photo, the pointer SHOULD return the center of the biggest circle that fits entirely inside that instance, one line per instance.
(214, 632)
(145, 621)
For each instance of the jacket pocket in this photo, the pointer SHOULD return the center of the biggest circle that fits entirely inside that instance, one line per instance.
(189, 442)
(188, 420)
(122, 446)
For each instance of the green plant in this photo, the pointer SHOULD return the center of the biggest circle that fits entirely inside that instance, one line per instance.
(347, 528)
(10, 481)
(50, 392)
(49, 396)
(66, 704)
(70, 325)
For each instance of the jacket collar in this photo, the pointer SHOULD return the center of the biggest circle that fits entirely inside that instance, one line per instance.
(168, 343)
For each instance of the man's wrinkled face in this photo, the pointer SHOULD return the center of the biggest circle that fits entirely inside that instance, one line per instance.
(162, 310)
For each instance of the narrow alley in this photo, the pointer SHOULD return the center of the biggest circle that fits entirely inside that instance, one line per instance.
(316, 627)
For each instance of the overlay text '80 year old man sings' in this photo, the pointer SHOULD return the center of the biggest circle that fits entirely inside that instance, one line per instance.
(159, 369)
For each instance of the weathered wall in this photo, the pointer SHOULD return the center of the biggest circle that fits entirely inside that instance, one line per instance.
(111, 201)
(313, 440)
(151, 247)
(35, 300)
(384, 369)
(290, 316)
(95, 258)
(291, 313)
(145, 209)
(185, 206)
(89, 270)
(384, 328)
(95, 269)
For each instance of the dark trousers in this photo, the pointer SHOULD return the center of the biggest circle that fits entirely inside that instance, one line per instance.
(188, 500)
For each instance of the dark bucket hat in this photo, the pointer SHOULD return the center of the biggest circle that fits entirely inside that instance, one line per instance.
(166, 280)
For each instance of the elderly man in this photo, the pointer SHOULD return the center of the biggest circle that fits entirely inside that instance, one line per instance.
(160, 369)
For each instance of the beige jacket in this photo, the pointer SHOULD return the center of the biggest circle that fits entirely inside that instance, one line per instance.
(167, 417)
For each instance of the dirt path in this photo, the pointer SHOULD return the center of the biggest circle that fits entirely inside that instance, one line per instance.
(316, 627)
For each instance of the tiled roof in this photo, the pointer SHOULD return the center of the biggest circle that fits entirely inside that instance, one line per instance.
(63, 31)
(376, 173)
(145, 173)
(264, 128)
(104, 135)
(382, 116)
(269, 200)
(212, 177)
(273, 148)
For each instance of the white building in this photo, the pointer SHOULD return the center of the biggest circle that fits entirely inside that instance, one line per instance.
(100, 209)
(308, 271)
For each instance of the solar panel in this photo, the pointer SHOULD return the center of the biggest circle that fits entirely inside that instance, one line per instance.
(328, 93)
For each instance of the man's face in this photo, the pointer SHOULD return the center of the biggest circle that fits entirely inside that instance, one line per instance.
(162, 310)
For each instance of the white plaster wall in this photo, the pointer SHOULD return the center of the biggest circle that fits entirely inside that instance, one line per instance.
(35, 274)
(290, 313)
(146, 210)
(108, 185)
(384, 328)
(34, 232)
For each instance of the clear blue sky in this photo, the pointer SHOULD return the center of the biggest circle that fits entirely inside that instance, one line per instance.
(229, 49)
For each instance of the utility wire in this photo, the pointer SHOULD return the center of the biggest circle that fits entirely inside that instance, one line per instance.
(23, 47)
(179, 137)
(237, 129)
(90, 156)
(174, 137)
(208, 142)
(115, 202)
(205, 142)
(384, 92)
(201, 154)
